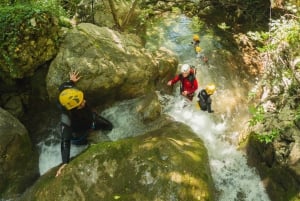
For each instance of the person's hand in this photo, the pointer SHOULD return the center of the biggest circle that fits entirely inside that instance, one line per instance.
(184, 93)
(170, 83)
(74, 76)
(60, 169)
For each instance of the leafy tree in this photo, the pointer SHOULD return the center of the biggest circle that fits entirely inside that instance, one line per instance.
(280, 47)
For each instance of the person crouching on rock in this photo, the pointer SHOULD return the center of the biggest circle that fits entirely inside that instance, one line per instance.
(77, 118)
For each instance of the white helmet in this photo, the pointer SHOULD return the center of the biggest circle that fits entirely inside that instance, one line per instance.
(185, 68)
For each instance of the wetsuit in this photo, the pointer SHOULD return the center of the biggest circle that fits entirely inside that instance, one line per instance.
(188, 84)
(76, 125)
(205, 101)
(195, 43)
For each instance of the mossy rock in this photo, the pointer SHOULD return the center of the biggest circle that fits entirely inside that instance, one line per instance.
(170, 162)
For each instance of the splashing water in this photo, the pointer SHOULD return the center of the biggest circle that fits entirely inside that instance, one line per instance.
(233, 178)
(123, 115)
(50, 155)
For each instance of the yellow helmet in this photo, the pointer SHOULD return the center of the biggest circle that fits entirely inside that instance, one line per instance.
(71, 98)
(198, 49)
(196, 37)
(210, 89)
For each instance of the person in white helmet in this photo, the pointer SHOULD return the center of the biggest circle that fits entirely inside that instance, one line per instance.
(189, 83)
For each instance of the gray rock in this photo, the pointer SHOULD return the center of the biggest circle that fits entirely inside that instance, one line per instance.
(170, 163)
(18, 161)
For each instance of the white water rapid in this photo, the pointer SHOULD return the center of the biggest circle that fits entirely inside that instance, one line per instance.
(234, 179)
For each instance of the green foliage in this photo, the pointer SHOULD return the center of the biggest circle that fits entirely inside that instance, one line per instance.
(293, 89)
(251, 95)
(13, 2)
(259, 38)
(18, 18)
(223, 26)
(267, 137)
(283, 30)
(12, 22)
(197, 24)
(66, 8)
(258, 115)
(281, 43)
(52, 6)
(297, 116)
(250, 13)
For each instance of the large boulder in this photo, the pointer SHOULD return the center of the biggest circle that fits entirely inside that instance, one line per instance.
(281, 180)
(273, 148)
(18, 162)
(163, 164)
(30, 38)
(112, 66)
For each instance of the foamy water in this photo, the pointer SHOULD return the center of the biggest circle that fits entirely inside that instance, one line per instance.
(50, 155)
(233, 178)
(126, 124)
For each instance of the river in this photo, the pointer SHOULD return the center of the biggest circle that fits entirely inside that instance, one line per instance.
(220, 131)
(234, 179)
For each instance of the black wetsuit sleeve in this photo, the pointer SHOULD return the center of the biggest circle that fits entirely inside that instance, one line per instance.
(202, 99)
(209, 101)
(102, 123)
(66, 134)
(66, 130)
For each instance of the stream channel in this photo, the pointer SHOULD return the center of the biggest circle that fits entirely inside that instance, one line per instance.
(220, 131)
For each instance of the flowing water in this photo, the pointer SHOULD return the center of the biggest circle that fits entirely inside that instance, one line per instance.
(234, 180)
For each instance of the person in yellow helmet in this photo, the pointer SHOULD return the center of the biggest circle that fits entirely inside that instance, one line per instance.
(196, 40)
(77, 118)
(204, 100)
(198, 49)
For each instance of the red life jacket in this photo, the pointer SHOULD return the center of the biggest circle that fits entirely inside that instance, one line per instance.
(191, 77)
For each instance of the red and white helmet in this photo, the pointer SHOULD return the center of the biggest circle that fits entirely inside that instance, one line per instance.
(185, 68)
